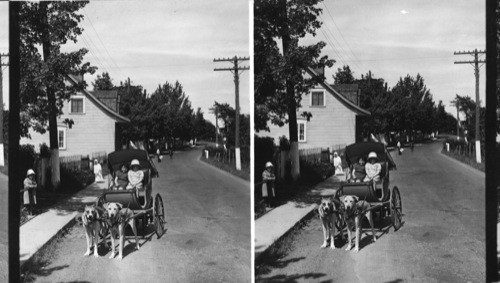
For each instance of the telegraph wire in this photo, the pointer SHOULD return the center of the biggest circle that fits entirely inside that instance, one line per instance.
(340, 32)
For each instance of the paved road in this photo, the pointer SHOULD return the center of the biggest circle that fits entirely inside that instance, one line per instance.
(208, 237)
(442, 239)
(4, 248)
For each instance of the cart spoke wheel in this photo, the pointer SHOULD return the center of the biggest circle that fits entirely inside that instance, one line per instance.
(396, 208)
(159, 216)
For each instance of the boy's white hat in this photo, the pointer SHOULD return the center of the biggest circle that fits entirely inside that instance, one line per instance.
(269, 164)
(372, 154)
(134, 163)
(30, 172)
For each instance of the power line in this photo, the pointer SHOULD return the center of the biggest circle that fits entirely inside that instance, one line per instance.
(99, 38)
(340, 32)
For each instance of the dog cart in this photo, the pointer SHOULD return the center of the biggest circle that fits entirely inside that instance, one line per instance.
(384, 200)
(146, 208)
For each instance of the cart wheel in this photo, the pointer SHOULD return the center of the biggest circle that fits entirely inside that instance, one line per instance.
(396, 208)
(159, 216)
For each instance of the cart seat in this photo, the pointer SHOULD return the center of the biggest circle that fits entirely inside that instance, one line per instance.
(127, 198)
(364, 191)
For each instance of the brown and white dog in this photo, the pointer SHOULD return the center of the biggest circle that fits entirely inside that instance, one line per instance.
(328, 215)
(117, 218)
(354, 210)
(92, 224)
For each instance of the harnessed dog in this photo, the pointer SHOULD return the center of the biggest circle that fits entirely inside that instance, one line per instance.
(353, 211)
(91, 219)
(328, 214)
(116, 220)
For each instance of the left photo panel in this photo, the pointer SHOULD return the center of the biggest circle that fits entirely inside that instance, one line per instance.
(133, 161)
(4, 113)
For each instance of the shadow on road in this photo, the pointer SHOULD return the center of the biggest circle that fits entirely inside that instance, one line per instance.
(311, 276)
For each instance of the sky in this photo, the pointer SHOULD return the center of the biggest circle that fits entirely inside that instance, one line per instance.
(393, 38)
(154, 42)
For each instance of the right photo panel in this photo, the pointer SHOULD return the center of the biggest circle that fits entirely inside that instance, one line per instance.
(369, 142)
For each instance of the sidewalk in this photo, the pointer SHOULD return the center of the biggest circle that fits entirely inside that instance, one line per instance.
(275, 224)
(41, 229)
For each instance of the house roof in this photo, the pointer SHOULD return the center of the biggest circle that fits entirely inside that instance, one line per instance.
(108, 97)
(101, 105)
(345, 101)
(350, 91)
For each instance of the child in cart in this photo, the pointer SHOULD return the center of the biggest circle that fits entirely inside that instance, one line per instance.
(29, 195)
(359, 171)
(121, 177)
(373, 168)
(135, 176)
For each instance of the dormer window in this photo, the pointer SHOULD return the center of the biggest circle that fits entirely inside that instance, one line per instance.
(317, 98)
(77, 105)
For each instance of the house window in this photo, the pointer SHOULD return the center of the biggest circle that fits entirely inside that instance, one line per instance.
(61, 137)
(301, 126)
(318, 98)
(77, 105)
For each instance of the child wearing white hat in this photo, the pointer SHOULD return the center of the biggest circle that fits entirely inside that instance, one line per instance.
(135, 175)
(29, 195)
(372, 168)
(268, 178)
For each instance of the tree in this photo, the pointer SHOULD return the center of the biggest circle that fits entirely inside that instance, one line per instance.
(279, 78)
(227, 114)
(202, 129)
(444, 121)
(415, 107)
(374, 97)
(344, 76)
(468, 107)
(103, 82)
(174, 108)
(43, 88)
(135, 106)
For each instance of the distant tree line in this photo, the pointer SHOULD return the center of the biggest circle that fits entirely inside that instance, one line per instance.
(407, 107)
(166, 114)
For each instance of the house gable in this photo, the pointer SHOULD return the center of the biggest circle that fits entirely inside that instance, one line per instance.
(332, 124)
(93, 128)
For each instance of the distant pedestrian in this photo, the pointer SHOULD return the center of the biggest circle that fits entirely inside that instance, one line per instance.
(171, 152)
(399, 147)
(29, 195)
(98, 172)
(412, 145)
(158, 154)
(268, 179)
(337, 163)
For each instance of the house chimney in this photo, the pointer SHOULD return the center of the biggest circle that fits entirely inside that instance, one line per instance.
(320, 70)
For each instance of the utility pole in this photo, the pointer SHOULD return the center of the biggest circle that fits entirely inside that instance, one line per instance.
(2, 161)
(235, 70)
(476, 74)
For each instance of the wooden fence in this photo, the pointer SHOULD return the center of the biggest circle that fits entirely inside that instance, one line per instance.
(318, 154)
